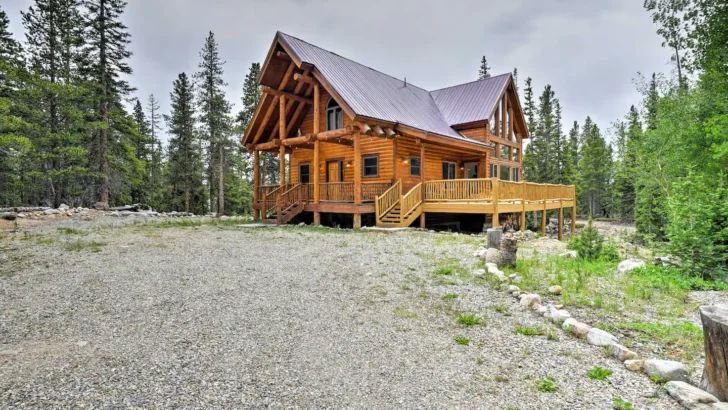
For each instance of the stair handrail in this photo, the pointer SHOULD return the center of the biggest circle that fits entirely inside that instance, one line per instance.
(385, 202)
(288, 198)
(410, 201)
(273, 193)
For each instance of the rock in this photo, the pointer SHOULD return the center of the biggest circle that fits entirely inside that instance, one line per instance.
(114, 213)
(542, 309)
(529, 299)
(689, 396)
(630, 265)
(569, 254)
(513, 288)
(63, 207)
(51, 212)
(22, 215)
(508, 252)
(622, 353)
(8, 216)
(101, 206)
(492, 255)
(227, 218)
(634, 365)
(577, 328)
(501, 276)
(491, 267)
(479, 272)
(82, 343)
(126, 213)
(666, 370)
(480, 252)
(516, 293)
(598, 337)
(555, 289)
(558, 316)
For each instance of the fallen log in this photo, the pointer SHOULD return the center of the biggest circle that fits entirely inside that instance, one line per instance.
(135, 208)
(715, 331)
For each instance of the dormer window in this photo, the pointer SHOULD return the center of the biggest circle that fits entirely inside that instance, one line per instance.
(334, 116)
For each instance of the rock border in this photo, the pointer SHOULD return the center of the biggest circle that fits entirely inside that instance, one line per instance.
(674, 374)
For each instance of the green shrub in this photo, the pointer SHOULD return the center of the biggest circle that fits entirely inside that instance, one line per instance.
(621, 404)
(462, 340)
(468, 320)
(546, 385)
(599, 373)
(589, 244)
(528, 331)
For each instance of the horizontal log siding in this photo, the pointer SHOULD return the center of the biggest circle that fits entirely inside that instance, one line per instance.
(476, 134)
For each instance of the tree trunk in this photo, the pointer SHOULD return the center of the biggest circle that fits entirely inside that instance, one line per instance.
(715, 330)
(221, 186)
(494, 237)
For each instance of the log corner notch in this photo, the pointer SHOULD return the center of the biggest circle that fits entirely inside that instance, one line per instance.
(715, 331)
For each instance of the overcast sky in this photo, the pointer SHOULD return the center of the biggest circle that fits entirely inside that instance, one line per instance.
(590, 51)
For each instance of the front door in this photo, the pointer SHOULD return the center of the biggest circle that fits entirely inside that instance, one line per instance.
(448, 170)
(471, 170)
(333, 171)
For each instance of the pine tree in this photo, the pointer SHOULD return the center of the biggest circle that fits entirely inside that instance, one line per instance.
(530, 159)
(515, 78)
(215, 119)
(651, 101)
(250, 99)
(9, 48)
(107, 56)
(628, 137)
(558, 143)
(484, 71)
(595, 171)
(186, 170)
(155, 164)
(571, 156)
(675, 32)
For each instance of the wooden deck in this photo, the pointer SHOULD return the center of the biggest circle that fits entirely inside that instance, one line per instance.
(395, 208)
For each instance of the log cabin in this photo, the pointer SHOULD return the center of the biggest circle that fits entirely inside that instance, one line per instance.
(354, 142)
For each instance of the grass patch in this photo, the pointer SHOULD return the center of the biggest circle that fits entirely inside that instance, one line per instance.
(443, 271)
(191, 223)
(599, 373)
(468, 320)
(81, 245)
(528, 331)
(681, 338)
(462, 340)
(502, 309)
(404, 313)
(621, 404)
(546, 385)
(450, 296)
(71, 231)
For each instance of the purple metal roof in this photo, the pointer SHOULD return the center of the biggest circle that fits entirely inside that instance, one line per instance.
(373, 94)
(470, 102)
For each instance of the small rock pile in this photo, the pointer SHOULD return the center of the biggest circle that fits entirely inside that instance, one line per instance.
(35, 213)
(553, 227)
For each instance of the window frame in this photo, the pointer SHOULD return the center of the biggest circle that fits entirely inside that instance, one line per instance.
(300, 172)
(338, 113)
(364, 166)
(516, 174)
(419, 166)
(494, 170)
(454, 169)
(510, 178)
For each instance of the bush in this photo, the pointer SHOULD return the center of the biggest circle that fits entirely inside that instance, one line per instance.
(589, 245)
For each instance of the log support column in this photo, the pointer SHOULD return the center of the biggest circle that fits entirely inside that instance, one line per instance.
(573, 212)
(561, 219)
(523, 202)
(282, 134)
(316, 152)
(494, 190)
(256, 184)
(422, 221)
(544, 215)
(422, 169)
(357, 178)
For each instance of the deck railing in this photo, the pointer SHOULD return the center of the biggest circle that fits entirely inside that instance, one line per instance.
(385, 202)
(371, 190)
(458, 190)
(411, 200)
(264, 190)
(336, 192)
(270, 199)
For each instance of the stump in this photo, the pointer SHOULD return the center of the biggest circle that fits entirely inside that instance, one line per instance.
(715, 330)
(494, 237)
(509, 248)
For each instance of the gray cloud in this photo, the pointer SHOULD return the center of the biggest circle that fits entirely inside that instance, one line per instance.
(588, 50)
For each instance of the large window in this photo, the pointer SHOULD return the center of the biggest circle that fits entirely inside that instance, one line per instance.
(448, 170)
(505, 152)
(515, 154)
(516, 174)
(334, 116)
(415, 169)
(371, 166)
(505, 173)
(304, 173)
(493, 171)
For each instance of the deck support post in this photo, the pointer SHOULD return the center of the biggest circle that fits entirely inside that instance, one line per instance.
(357, 177)
(282, 134)
(573, 212)
(544, 215)
(422, 221)
(394, 160)
(316, 151)
(422, 169)
(496, 216)
(256, 183)
(523, 202)
(561, 219)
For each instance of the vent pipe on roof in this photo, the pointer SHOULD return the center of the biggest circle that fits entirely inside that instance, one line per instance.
(405, 81)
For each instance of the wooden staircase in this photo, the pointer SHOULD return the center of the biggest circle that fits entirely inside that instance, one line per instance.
(396, 211)
(288, 204)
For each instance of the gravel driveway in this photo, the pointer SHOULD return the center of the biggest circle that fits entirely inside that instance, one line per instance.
(231, 317)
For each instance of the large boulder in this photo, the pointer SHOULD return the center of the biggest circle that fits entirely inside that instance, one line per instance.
(530, 299)
(492, 255)
(622, 353)
(577, 328)
(101, 206)
(689, 396)
(598, 337)
(666, 370)
(508, 251)
(630, 265)
(494, 237)
(8, 216)
(51, 212)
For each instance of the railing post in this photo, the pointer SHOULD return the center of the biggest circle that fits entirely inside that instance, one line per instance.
(256, 184)
(523, 202)
(573, 211)
(561, 219)
(496, 216)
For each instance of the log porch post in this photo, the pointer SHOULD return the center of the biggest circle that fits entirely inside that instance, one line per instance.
(494, 194)
(573, 212)
(561, 218)
(543, 219)
(357, 178)
(394, 160)
(282, 135)
(256, 183)
(316, 152)
(423, 218)
(523, 202)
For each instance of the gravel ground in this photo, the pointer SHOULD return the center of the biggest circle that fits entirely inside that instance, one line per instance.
(231, 317)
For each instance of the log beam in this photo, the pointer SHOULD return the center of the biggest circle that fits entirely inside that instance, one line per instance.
(364, 129)
(294, 97)
(273, 103)
(316, 151)
(378, 131)
(256, 183)
(283, 55)
(282, 132)
(268, 145)
(305, 79)
(389, 133)
(303, 140)
(299, 109)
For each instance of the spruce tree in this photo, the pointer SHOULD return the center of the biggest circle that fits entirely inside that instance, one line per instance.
(530, 166)
(626, 169)
(558, 143)
(651, 101)
(9, 48)
(156, 157)
(215, 119)
(595, 171)
(571, 156)
(186, 170)
(515, 78)
(107, 56)
(484, 71)
(250, 99)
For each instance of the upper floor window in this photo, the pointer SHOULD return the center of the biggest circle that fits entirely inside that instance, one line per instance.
(371, 166)
(334, 116)
(415, 170)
